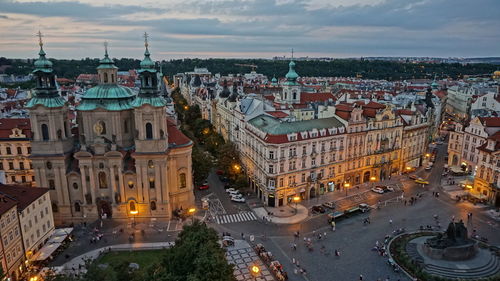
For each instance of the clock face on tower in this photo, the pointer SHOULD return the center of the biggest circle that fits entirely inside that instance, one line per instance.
(99, 127)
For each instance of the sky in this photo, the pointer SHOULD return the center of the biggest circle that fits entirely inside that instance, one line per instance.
(251, 28)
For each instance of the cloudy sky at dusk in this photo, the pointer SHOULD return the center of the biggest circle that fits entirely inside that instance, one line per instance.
(252, 28)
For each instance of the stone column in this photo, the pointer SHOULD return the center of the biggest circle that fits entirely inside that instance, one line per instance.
(139, 179)
(64, 185)
(158, 181)
(113, 189)
(122, 185)
(84, 183)
(145, 183)
(92, 184)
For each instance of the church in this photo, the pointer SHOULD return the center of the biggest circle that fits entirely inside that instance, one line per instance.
(124, 158)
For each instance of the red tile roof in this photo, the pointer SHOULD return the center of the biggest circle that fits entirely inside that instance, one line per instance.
(405, 112)
(374, 105)
(315, 97)
(24, 196)
(490, 121)
(7, 124)
(175, 136)
(277, 114)
(369, 112)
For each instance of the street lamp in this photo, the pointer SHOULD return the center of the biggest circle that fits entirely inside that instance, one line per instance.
(296, 199)
(346, 186)
(255, 270)
(191, 212)
(373, 179)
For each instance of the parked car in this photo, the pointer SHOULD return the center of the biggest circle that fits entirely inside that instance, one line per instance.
(413, 177)
(386, 188)
(238, 199)
(228, 190)
(428, 168)
(364, 207)
(318, 209)
(329, 205)
(235, 192)
(335, 216)
(421, 181)
(378, 190)
(204, 186)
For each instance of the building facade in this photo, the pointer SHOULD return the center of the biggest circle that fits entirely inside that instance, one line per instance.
(11, 244)
(127, 159)
(15, 150)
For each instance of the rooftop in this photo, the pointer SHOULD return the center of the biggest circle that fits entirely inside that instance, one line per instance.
(274, 126)
(24, 196)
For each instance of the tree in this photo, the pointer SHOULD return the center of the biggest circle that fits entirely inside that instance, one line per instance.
(196, 256)
(229, 160)
(202, 164)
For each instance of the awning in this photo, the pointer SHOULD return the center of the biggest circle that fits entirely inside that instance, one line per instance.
(54, 242)
(46, 251)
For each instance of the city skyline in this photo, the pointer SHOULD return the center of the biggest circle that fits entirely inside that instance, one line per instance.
(252, 29)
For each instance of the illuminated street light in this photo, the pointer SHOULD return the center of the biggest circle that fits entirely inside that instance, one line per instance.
(186, 107)
(255, 270)
(296, 199)
(191, 212)
(346, 186)
(373, 179)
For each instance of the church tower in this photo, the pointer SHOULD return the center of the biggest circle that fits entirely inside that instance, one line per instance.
(151, 141)
(291, 88)
(52, 142)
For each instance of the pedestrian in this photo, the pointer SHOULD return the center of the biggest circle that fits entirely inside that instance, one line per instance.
(433, 193)
(361, 277)
(319, 236)
(242, 236)
(294, 246)
(324, 234)
(390, 221)
(293, 260)
(405, 202)
(297, 263)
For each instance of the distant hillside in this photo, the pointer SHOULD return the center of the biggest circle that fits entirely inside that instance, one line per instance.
(342, 67)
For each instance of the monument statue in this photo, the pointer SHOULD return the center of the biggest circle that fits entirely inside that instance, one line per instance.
(453, 244)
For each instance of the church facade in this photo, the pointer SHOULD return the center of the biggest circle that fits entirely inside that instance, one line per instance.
(124, 158)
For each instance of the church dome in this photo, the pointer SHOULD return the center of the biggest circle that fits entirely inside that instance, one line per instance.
(496, 73)
(107, 96)
(42, 63)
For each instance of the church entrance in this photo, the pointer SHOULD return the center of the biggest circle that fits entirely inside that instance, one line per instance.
(104, 209)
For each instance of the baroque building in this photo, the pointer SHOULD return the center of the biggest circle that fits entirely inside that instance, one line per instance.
(125, 158)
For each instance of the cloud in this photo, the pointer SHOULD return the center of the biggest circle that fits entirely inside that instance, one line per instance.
(312, 27)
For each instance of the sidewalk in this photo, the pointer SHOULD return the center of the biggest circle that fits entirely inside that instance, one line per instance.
(77, 264)
(284, 214)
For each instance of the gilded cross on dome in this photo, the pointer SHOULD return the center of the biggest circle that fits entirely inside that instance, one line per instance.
(146, 36)
(39, 35)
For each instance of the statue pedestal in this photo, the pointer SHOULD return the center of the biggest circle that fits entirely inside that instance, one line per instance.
(453, 253)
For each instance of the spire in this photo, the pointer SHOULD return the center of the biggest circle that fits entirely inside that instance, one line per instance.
(106, 62)
(40, 42)
(291, 76)
(147, 63)
(105, 49)
(42, 63)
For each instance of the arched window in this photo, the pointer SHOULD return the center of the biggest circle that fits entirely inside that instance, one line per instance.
(105, 77)
(75, 185)
(77, 207)
(45, 132)
(112, 78)
(130, 184)
(103, 183)
(182, 180)
(151, 164)
(153, 205)
(55, 208)
(103, 127)
(125, 127)
(294, 95)
(132, 206)
(151, 182)
(149, 131)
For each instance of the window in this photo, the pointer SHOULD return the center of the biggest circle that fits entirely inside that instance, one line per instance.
(8, 150)
(19, 150)
(271, 169)
(52, 184)
(151, 164)
(77, 207)
(149, 131)
(151, 182)
(271, 154)
(21, 166)
(182, 180)
(75, 185)
(153, 205)
(280, 182)
(23, 178)
(45, 132)
(103, 181)
(1, 165)
(48, 165)
(13, 178)
(29, 150)
(130, 184)
(11, 165)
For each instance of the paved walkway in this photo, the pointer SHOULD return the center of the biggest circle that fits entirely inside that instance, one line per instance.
(77, 264)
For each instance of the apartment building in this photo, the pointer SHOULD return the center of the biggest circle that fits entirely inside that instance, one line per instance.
(11, 244)
(35, 215)
(15, 150)
(487, 180)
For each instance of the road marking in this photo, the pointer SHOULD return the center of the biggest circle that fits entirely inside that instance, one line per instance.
(233, 218)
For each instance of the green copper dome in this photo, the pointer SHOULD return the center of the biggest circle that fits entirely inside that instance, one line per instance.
(147, 64)
(42, 63)
(107, 96)
(106, 62)
(291, 76)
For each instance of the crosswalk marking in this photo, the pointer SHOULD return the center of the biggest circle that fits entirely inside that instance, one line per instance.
(232, 218)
